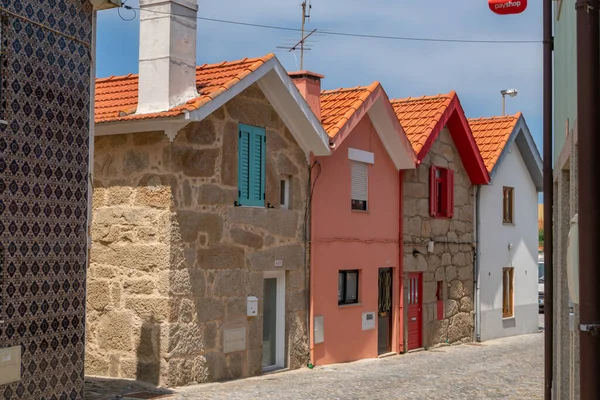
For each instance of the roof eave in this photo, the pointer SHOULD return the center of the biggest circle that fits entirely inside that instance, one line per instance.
(522, 137)
(170, 125)
(287, 101)
(454, 117)
(390, 131)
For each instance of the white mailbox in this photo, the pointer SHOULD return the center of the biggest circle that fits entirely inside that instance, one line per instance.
(252, 306)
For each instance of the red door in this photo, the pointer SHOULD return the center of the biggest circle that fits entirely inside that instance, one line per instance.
(415, 315)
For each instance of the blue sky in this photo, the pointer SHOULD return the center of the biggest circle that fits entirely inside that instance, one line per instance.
(477, 72)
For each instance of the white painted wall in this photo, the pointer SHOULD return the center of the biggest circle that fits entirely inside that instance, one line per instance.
(494, 253)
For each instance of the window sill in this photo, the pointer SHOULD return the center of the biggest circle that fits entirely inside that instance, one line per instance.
(360, 211)
(349, 305)
(508, 224)
(245, 206)
(508, 318)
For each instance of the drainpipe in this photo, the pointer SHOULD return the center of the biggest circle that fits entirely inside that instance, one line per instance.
(307, 260)
(548, 201)
(588, 120)
(401, 347)
(477, 263)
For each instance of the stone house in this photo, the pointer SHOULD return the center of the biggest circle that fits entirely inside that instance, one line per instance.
(439, 221)
(198, 263)
(355, 220)
(44, 135)
(506, 297)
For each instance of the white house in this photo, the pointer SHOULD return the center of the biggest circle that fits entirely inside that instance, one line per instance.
(507, 228)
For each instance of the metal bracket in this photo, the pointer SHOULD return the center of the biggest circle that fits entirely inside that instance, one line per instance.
(594, 329)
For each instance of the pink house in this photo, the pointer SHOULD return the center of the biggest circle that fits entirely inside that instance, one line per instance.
(356, 224)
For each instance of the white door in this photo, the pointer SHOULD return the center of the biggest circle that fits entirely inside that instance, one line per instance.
(273, 321)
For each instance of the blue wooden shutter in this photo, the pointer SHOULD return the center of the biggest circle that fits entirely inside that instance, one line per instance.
(251, 166)
(244, 165)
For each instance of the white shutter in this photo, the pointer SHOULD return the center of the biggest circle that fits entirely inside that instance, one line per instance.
(359, 180)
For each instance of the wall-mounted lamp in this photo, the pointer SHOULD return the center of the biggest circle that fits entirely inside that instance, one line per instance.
(415, 252)
(510, 247)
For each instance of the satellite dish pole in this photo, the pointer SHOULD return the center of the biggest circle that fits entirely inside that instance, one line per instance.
(305, 15)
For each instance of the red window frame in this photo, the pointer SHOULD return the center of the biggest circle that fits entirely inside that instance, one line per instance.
(441, 192)
(439, 294)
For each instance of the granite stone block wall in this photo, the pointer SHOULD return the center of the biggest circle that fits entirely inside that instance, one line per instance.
(452, 259)
(173, 260)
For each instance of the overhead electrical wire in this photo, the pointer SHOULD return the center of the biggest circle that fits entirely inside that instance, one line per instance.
(345, 34)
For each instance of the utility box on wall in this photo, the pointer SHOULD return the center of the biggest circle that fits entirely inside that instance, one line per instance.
(10, 364)
(319, 329)
(252, 306)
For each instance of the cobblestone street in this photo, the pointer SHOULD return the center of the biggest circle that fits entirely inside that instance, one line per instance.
(510, 368)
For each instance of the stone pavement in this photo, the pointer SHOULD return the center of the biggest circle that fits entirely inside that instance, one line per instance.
(510, 368)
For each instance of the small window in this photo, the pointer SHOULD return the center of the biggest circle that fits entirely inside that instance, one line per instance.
(360, 185)
(441, 192)
(439, 294)
(251, 166)
(507, 292)
(508, 207)
(284, 192)
(348, 287)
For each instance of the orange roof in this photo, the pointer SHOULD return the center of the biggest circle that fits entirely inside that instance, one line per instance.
(423, 118)
(337, 106)
(419, 116)
(491, 135)
(117, 96)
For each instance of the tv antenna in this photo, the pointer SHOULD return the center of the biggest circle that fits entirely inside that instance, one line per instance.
(301, 45)
(305, 16)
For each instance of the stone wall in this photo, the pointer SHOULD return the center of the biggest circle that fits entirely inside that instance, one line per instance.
(44, 193)
(173, 259)
(452, 259)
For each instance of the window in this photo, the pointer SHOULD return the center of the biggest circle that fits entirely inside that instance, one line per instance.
(359, 185)
(251, 166)
(507, 292)
(440, 300)
(441, 192)
(508, 207)
(284, 192)
(348, 287)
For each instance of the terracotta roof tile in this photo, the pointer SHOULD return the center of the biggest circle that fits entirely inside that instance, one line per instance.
(117, 96)
(337, 106)
(419, 116)
(491, 135)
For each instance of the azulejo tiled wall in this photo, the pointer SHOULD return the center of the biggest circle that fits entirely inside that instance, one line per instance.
(43, 192)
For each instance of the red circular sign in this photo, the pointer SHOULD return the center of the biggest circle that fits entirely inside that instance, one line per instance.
(507, 6)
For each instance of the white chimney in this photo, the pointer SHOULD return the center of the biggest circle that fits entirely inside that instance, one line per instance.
(167, 69)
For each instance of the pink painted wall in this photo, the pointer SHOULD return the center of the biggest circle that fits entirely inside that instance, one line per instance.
(332, 217)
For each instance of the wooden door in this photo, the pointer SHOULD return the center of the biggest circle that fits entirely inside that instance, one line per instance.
(415, 311)
(384, 328)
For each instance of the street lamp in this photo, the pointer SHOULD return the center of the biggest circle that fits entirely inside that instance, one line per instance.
(511, 93)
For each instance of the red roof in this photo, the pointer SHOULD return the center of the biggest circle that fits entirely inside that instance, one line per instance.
(337, 106)
(491, 135)
(423, 118)
(117, 96)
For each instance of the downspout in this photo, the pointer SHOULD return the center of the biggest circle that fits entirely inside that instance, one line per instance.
(477, 264)
(90, 184)
(307, 258)
(308, 277)
(548, 201)
(401, 347)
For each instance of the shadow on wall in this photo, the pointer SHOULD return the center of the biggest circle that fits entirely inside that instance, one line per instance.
(148, 353)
